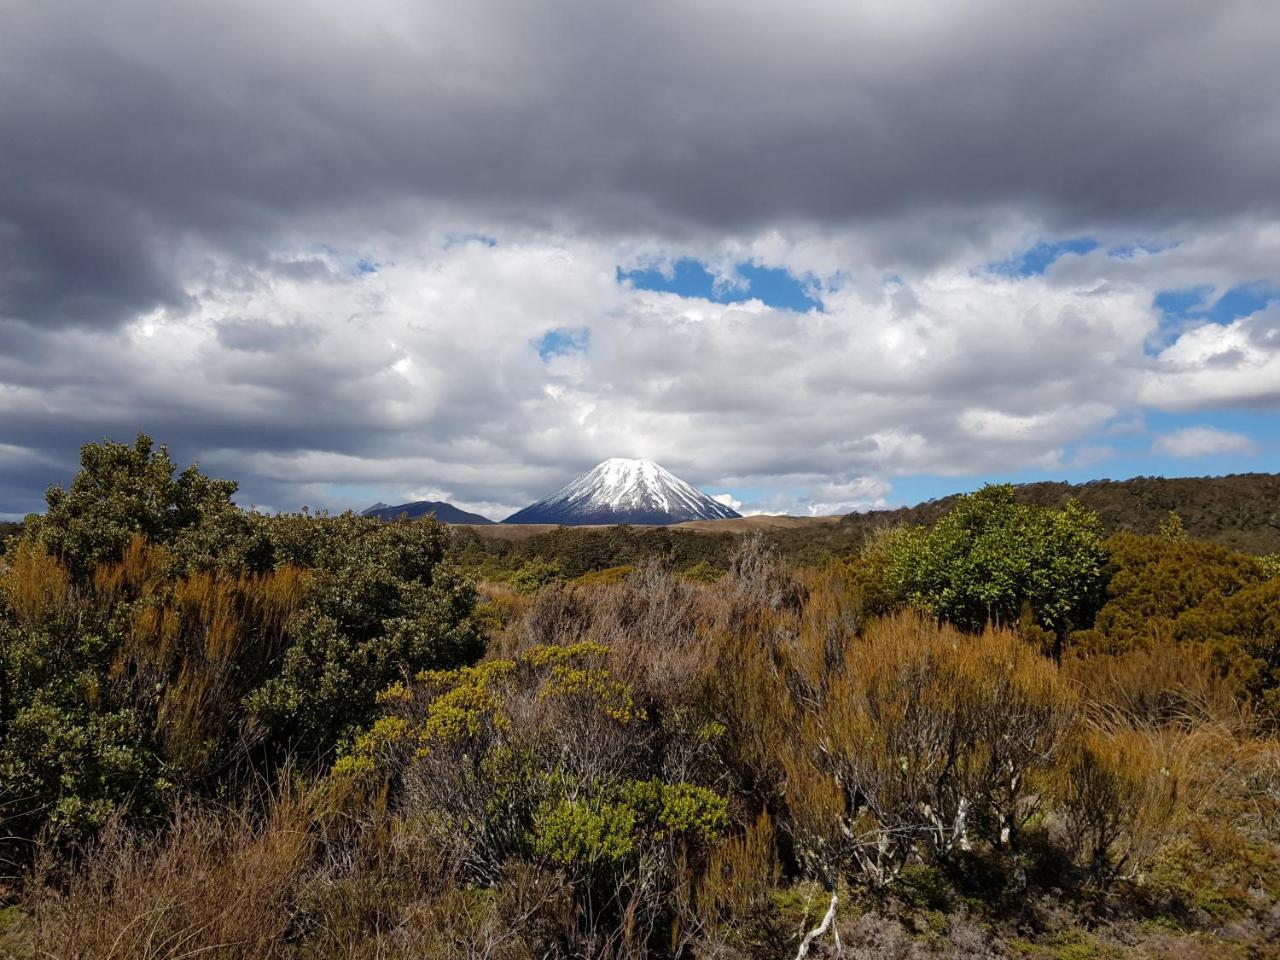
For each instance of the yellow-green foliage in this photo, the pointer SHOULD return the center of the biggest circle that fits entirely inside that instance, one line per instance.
(590, 683)
(534, 574)
(605, 577)
(682, 808)
(609, 827)
(702, 572)
(468, 701)
(579, 832)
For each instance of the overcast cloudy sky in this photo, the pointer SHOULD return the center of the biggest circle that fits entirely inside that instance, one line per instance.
(812, 256)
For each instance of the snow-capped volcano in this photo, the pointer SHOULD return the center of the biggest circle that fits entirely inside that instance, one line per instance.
(624, 491)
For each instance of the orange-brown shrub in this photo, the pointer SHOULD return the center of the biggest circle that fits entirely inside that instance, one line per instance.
(195, 644)
(1117, 792)
(1174, 683)
(35, 584)
(923, 737)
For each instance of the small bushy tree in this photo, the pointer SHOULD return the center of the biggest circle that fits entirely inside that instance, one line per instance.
(534, 574)
(120, 492)
(382, 605)
(990, 555)
(153, 636)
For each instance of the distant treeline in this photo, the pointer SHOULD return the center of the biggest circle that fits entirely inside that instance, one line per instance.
(1239, 512)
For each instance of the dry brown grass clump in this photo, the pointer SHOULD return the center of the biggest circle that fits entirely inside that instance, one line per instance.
(214, 883)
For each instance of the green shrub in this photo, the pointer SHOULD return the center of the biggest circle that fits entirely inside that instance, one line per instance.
(990, 555)
(152, 635)
(534, 574)
(702, 572)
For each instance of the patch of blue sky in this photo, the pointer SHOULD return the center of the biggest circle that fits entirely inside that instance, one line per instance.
(1131, 251)
(1198, 303)
(1260, 426)
(773, 286)
(1036, 260)
(1181, 304)
(462, 239)
(744, 495)
(1191, 306)
(562, 341)
(365, 265)
(1243, 300)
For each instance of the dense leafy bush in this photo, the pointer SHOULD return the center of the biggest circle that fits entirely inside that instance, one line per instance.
(123, 492)
(991, 556)
(1174, 591)
(153, 637)
(534, 574)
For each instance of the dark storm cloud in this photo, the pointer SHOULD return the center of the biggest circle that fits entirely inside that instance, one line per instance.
(192, 198)
(130, 129)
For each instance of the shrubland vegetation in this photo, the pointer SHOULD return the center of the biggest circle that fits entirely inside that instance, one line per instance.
(1004, 734)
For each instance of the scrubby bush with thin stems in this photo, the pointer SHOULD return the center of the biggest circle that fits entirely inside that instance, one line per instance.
(1116, 791)
(922, 739)
(547, 759)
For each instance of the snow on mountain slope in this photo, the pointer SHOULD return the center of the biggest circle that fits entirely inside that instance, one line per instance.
(624, 491)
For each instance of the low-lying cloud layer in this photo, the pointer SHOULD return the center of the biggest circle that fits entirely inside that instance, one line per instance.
(343, 255)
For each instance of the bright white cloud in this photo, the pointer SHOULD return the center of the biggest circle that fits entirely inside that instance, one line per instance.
(1219, 365)
(334, 387)
(424, 376)
(1202, 442)
(728, 500)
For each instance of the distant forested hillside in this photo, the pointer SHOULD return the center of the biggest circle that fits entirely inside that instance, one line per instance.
(1241, 511)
